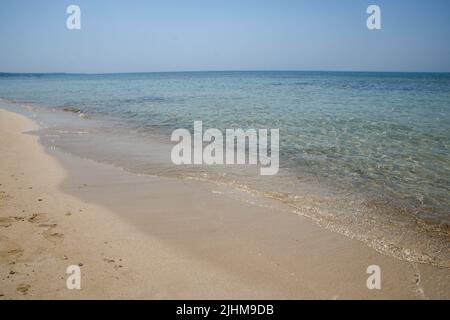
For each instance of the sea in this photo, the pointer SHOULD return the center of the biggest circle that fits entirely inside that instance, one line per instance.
(364, 154)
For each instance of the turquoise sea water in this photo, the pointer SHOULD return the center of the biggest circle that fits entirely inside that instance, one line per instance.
(365, 154)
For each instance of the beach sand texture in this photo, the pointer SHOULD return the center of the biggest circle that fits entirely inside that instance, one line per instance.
(160, 238)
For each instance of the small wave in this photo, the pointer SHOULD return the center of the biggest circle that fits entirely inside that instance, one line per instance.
(75, 110)
(72, 132)
(142, 99)
(71, 109)
(7, 100)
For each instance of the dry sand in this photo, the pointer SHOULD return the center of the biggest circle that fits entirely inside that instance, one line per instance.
(159, 238)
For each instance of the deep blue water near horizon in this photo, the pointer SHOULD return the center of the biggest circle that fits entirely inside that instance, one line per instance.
(385, 136)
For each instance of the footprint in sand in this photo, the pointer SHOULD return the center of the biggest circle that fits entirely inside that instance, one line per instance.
(48, 234)
(23, 288)
(9, 250)
(4, 195)
(6, 222)
(116, 266)
(38, 218)
(53, 236)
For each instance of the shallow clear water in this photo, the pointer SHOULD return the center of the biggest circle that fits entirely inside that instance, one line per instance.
(366, 154)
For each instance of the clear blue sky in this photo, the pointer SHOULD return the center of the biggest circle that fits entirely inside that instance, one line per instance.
(185, 35)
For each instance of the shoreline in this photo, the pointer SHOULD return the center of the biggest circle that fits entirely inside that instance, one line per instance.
(391, 226)
(161, 238)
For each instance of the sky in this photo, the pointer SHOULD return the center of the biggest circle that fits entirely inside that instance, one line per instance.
(212, 35)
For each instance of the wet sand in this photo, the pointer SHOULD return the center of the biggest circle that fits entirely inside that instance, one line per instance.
(161, 238)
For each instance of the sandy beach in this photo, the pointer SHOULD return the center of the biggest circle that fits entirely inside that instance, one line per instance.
(145, 237)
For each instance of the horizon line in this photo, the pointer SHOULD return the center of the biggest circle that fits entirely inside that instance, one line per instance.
(210, 71)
